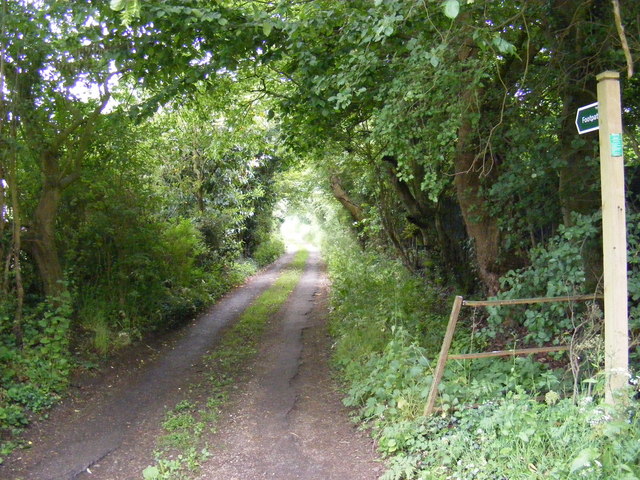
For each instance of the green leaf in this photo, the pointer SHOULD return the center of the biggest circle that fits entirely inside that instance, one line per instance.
(584, 459)
(506, 451)
(150, 473)
(613, 429)
(451, 8)
(118, 5)
(628, 475)
(267, 27)
(502, 45)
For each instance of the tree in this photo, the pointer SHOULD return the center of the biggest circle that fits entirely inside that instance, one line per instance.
(59, 60)
(437, 95)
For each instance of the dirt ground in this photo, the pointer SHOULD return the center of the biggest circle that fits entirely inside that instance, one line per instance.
(288, 422)
(284, 421)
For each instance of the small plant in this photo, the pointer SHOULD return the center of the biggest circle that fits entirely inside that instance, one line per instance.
(269, 250)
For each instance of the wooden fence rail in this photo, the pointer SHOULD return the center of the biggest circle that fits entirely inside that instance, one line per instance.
(458, 303)
(506, 353)
(526, 301)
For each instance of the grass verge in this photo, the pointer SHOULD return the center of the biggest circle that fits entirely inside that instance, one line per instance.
(498, 419)
(184, 447)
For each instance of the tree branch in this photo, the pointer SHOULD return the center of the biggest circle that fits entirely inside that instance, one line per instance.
(78, 122)
(623, 37)
(343, 197)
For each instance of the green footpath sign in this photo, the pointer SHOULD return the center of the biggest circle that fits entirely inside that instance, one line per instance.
(587, 118)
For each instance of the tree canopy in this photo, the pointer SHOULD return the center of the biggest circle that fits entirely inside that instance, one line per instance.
(141, 143)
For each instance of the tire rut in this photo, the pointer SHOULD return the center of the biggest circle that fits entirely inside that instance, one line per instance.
(274, 428)
(93, 435)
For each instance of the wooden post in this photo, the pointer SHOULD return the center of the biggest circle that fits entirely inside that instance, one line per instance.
(528, 301)
(614, 231)
(444, 353)
(507, 353)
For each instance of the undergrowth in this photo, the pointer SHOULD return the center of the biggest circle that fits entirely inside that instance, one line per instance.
(183, 447)
(34, 375)
(516, 418)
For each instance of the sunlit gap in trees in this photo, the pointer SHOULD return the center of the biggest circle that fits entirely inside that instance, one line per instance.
(4, 212)
(298, 232)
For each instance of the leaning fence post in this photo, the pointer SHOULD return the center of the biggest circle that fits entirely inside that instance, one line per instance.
(444, 353)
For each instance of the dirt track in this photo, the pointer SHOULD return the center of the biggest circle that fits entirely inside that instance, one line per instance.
(285, 421)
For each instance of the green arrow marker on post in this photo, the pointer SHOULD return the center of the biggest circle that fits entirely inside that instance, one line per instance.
(587, 119)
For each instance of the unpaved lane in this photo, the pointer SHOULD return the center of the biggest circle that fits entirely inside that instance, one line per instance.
(288, 422)
(123, 421)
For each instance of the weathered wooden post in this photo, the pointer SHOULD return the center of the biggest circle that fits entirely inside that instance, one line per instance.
(444, 353)
(614, 240)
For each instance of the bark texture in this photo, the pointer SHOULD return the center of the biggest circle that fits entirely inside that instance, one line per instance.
(481, 227)
(470, 174)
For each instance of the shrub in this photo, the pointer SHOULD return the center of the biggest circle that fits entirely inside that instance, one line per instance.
(497, 418)
(556, 270)
(269, 250)
(518, 437)
(35, 370)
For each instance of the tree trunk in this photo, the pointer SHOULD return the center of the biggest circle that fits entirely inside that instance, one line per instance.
(62, 149)
(481, 226)
(3, 219)
(43, 243)
(419, 211)
(345, 200)
(42, 238)
(391, 224)
(16, 249)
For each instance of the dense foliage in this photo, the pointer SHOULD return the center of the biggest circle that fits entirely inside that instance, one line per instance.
(140, 144)
(497, 419)
(116, 221)
(450, 132)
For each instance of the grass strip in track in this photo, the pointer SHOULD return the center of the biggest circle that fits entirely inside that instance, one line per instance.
(241, 341)
(183, 447)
